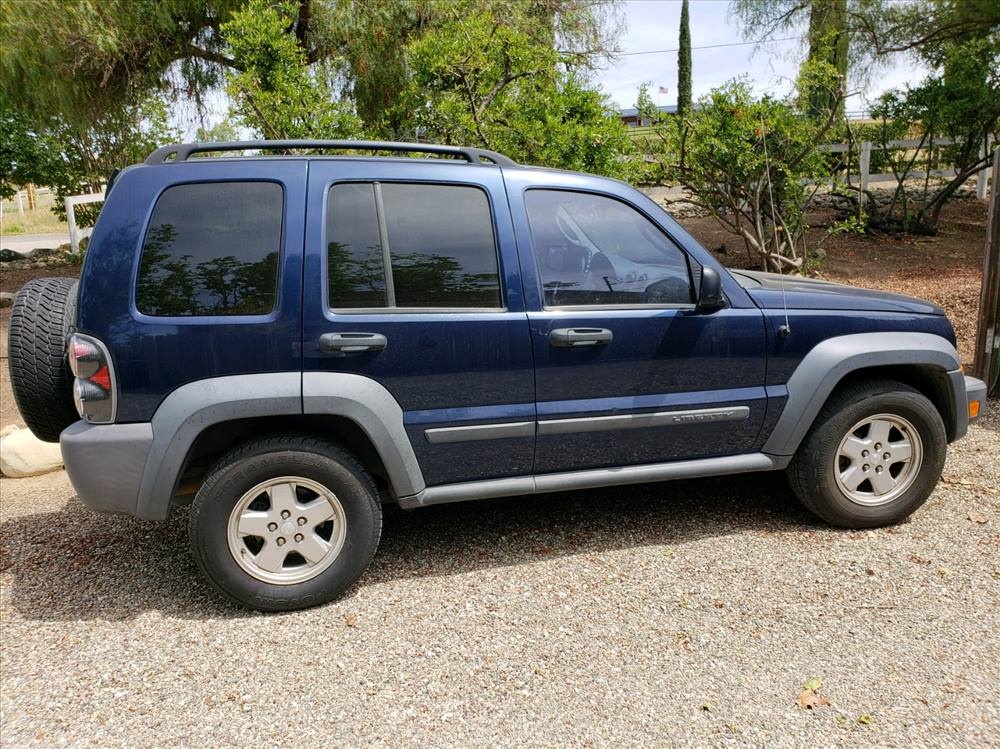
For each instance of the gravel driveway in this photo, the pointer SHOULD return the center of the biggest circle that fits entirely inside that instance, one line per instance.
(673, 614)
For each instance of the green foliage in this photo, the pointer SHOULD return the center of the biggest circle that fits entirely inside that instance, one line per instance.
(950, 114)
(483, 78)
(79, 159)
(27, 155)
(223, 130)
(274, 90)
(829, 36)
(745, 161)
(684, 63)
(80, 59)
(927, 27)
(828, 43)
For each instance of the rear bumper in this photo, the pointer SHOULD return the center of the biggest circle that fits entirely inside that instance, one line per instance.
(105, 463)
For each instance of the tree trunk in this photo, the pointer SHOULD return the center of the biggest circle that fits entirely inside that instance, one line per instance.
(828, 39)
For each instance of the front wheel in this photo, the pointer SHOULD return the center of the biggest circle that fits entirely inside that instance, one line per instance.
(285, 522)
(873, 456)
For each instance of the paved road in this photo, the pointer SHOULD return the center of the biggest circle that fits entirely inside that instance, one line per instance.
(25, 243)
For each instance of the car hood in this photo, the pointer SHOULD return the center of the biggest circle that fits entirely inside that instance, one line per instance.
(810, 293)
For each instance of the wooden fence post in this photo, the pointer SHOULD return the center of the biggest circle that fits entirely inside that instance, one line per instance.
(866, 161)
(74, 234)
(987, 360)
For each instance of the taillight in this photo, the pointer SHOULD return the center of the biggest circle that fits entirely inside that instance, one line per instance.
(94, 388)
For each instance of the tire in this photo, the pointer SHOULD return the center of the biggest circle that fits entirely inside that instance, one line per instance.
(268, 572)
(42, 317)
(838, 452)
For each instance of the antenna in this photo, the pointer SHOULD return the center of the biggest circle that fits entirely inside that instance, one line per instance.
(785, 330)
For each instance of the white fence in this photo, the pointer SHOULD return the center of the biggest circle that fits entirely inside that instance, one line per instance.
(75, 232)
(865, 157)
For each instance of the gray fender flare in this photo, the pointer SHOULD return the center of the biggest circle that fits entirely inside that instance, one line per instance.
(192, 408)
(365, 402)
(829, 361)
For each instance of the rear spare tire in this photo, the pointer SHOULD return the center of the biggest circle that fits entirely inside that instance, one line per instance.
(41, 318)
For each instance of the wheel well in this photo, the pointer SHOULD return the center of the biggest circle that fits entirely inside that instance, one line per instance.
(929, 381)
(219, 439)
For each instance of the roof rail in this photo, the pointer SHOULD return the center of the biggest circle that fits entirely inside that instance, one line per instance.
(182, 151)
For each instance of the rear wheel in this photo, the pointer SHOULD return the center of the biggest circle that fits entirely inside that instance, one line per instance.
(285, 523)
(873, 456)
(42, 317)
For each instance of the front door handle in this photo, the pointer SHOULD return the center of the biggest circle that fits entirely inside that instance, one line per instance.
(352, 342)
(573, 337)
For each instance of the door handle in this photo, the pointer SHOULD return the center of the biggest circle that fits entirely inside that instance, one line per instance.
(352, 342)
(573, 337)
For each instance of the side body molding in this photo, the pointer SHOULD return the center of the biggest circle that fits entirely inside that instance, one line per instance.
(193, 407)
(372, 407)
(829, 361)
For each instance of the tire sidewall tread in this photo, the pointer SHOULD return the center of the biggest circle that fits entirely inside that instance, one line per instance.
(42, 317)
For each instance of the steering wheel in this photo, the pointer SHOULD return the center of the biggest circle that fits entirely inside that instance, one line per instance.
(670, 290)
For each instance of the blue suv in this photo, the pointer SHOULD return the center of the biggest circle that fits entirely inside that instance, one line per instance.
(287, 342)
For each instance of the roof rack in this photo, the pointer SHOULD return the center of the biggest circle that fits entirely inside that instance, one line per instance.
(177, 152)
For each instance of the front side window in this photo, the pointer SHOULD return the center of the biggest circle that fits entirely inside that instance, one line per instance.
(595, 250)
(212, 249)
(437, 241)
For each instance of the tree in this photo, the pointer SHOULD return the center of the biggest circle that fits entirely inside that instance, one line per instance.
(27, 153)
(273, 88)
(684, 64)
(952, 112)
(484, 78)
(922, 25)
(828, 35)
(97, 57)
(102, 56)
(746, 163)
(828, 43)
(76, 159)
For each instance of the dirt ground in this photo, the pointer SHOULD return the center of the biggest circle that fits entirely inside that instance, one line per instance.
(945, 269)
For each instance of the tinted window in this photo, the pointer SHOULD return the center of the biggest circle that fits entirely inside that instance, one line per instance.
(591, 249)
(441, 244)
(354, 252)
(212, 249)
(439, 239)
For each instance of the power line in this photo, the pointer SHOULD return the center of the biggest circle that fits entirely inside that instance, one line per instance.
(709, 46)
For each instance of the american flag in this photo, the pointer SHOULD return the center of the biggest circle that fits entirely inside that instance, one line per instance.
(663, 90)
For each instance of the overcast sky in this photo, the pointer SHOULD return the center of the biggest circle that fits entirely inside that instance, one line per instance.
(654, 24)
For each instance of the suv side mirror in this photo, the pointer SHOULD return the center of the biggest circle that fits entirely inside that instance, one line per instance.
(710, 296)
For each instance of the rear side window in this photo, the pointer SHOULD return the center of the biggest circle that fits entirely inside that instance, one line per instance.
(416, 246)
(212, 249)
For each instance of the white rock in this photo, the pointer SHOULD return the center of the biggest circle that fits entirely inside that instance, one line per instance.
(23, 454)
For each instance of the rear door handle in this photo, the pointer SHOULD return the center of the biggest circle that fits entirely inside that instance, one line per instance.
(352, 342)
(573, 337)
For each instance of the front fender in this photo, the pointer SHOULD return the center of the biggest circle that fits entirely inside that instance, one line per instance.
(831, 360)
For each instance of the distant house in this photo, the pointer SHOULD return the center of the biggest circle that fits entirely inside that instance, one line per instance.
(630, 116)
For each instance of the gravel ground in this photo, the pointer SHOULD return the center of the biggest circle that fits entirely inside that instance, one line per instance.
(674, 614)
